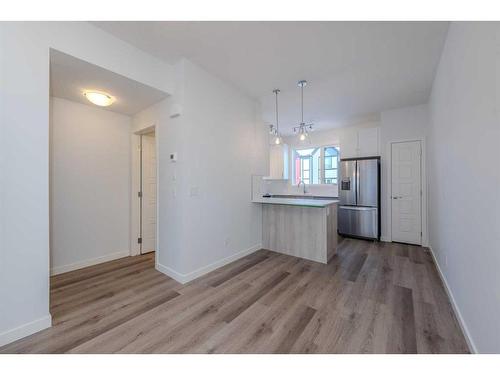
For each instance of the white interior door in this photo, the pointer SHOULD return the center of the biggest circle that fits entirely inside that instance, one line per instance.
(406, 196)
(148, 221)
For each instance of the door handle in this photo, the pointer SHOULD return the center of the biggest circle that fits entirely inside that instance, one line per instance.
(397, 197)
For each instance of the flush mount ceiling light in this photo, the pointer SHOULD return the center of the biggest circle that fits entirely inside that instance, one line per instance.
(101, 99)
(303, 129)
(274, 129)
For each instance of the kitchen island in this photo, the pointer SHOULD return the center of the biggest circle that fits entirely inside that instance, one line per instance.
(301, 227)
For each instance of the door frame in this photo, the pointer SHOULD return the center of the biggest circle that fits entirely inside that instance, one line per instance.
(423, 187)
(135, 187)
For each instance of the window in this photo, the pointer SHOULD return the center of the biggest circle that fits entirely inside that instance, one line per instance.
(316, 165)
(330, 165)
(306, 165)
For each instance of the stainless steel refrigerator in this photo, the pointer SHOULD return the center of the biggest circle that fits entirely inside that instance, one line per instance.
(359, 196)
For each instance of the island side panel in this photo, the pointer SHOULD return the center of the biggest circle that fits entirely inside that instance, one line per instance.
(331, 228)
(295, 230)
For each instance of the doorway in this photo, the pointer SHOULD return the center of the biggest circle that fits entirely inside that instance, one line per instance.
(406, 192)
(148, 192)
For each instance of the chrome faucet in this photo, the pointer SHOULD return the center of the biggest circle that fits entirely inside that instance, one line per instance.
(302, 182)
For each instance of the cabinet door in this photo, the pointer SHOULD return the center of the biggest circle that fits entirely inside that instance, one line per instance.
(368, 142)
(278, 161)
(285, 161)
(348, 143)
(275, 162)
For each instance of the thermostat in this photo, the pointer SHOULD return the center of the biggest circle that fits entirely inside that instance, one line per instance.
(173, 157)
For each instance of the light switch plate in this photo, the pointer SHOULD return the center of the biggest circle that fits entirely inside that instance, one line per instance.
(193, 191)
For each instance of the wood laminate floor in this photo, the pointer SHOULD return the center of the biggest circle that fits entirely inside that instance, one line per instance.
(371, 298)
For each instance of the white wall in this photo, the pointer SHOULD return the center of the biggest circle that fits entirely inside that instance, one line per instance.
(89, 186)
(230, 142)
(24, 153)
(402, 124)
(168, 138)
(206, 217)
(464, 177)
(205, 199)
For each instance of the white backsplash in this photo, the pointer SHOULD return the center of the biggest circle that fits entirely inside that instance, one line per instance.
(261, 186)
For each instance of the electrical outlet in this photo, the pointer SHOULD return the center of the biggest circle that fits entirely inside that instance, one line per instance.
(226, 242)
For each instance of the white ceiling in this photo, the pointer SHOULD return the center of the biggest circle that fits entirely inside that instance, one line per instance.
(354, 69)
(70, 76)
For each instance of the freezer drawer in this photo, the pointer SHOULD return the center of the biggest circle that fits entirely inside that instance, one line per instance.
(358, 221)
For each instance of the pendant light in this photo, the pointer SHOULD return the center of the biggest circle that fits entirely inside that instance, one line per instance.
(303, 129)
(275, 130)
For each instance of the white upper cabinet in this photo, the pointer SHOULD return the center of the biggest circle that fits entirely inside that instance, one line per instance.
(359, 142)
(348, 143)
(278, 161)
(368, 142)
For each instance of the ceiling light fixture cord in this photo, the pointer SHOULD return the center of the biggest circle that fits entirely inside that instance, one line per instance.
(302, 128)
(302, 102)
(276, 91)
(276, 130)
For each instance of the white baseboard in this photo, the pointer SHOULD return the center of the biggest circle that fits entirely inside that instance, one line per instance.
(88, 262)
(186, 277)
(25, 330)
(388, 239)
(461, 321)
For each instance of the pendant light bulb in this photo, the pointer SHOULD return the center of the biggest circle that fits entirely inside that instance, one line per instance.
(277, 140)
(302, 136)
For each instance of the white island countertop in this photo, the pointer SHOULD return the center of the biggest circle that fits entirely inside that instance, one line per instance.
(304, 202)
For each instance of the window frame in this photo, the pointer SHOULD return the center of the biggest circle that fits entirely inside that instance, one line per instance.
(321, 158)
(309, 170)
